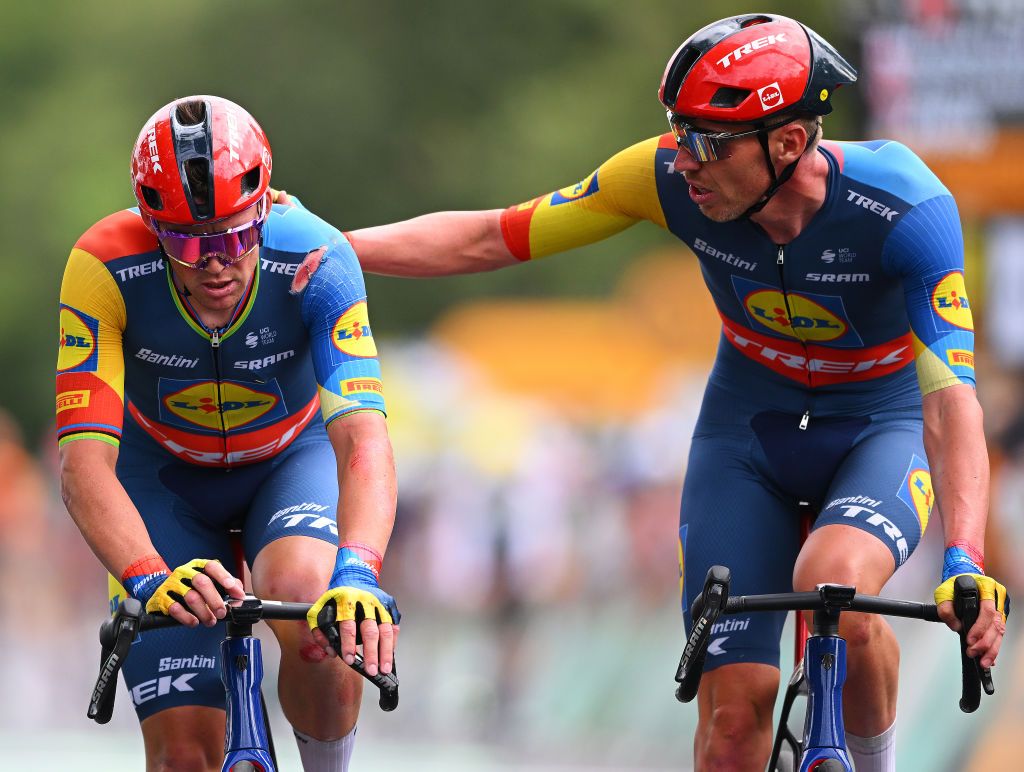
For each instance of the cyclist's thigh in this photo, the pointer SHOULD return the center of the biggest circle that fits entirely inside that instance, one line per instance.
(298, 497)
(732, 516)
(884, 487)
(177, 666)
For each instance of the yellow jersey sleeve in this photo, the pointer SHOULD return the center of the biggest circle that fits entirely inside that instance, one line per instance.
(90, 362)
(621, 192)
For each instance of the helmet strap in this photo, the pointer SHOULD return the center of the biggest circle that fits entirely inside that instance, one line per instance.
(778, 180)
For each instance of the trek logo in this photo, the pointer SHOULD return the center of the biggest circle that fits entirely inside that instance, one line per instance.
(288, 269)
(351, 334)
(770, 96)
(715, 647)
(872, 206)
(736, 54)
(78, 350)
(145, 269)
(586, 187)
(154, 153)
(182, 663)
(699, 245)
(838, 277)
(159, 687)
(259, 364)
(232, 135)
(878, 520)
(170, 360)
(949, 301)
(230, 406)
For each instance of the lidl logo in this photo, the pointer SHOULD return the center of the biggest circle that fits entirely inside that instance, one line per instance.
(197, 404)
(586, 187)
(949, 301)
(77, 343)
(67, 400)
(961, 357)
(916, 490)
(357, 385)
(801, 318)
(351, 334)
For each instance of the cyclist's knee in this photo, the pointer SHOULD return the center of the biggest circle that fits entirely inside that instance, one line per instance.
(181, 741)
(865, 630)
(736, 704)
(185, 758)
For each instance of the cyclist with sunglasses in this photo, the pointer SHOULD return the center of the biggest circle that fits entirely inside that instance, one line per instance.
(845, 363)
(217, 372)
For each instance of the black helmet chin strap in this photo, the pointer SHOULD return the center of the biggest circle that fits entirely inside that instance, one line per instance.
(778, 180)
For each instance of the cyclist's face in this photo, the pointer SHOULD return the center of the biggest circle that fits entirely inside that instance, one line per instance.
(217, 288)
(724, 189)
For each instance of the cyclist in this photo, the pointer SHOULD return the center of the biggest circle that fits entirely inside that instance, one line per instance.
(837, 269)
(217, 370)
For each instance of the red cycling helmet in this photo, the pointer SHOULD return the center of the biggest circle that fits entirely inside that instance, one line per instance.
(746, 68)
(215, 141)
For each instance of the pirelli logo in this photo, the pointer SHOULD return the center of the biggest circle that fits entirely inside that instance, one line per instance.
(70, 399)
(959, 356)
(356, 385)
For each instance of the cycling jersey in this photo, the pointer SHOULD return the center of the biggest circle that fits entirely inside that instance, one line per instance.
(828, 323)
(812, 397)
(133, 349)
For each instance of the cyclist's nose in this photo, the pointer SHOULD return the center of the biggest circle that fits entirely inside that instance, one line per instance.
(214, 265)
(685, 162)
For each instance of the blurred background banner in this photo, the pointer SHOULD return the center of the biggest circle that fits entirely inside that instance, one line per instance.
(541, 415)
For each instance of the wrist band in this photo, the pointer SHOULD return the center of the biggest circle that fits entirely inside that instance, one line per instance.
(962, 557)
(144, 575)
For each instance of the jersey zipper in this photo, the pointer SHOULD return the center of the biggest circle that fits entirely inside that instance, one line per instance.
(215, 350)
(805, 419)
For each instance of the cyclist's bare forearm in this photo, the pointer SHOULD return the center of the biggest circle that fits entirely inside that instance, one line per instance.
(955, 444)
(438, 244)
(366, 478)
(100, 506)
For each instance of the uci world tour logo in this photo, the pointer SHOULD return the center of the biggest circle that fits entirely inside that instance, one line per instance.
(351, 334)
(239, 405)
(77, 343)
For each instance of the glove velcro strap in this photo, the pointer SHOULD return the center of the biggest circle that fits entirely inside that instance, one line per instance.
(141, 579)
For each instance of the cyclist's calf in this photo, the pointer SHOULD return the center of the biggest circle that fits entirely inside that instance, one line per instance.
(735, 707)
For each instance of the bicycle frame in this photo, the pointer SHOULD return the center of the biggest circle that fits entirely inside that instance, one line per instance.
(247, 741)
(824, 662)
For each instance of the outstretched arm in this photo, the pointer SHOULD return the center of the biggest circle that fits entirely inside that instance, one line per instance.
(436, 244)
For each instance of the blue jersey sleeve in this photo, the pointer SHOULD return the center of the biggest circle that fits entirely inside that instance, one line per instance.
(344, 353)
(926, 249)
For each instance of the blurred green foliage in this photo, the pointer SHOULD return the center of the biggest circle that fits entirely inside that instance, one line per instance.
(376, 112)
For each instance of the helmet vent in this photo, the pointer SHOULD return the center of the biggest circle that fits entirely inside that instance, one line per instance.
(750, 21)
(152, 198)
(729, 97)
(191, 113)
(677, 74)
(197, 180)
(251, 181)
